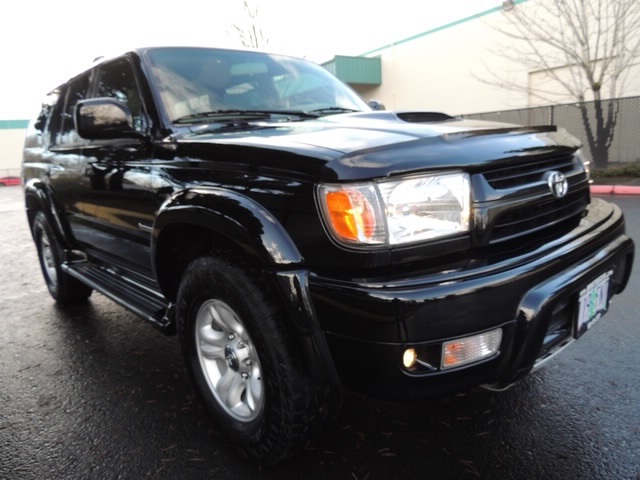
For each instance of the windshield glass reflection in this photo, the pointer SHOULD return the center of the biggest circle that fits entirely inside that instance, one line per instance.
(193, 81)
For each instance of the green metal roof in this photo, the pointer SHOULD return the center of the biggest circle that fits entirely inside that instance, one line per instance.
(496, 9)
(358, 70)
(13, 124)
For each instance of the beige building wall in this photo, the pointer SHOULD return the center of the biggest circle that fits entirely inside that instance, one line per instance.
(449, 69)
(440, 72)
(11, 145)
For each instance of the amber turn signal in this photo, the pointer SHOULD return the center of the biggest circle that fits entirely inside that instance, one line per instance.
(351, 215)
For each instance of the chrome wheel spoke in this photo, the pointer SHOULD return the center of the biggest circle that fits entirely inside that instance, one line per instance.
(210, 336)
(211, 351)
(253, 393)
(225, 318)
(224, 385)
(242, 410)
(232, 393)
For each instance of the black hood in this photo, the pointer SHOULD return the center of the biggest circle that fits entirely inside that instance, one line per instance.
(380, 144)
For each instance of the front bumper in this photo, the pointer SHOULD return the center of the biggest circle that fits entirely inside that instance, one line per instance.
(368, 324)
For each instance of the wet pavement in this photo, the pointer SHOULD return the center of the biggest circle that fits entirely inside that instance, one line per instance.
(93, 392)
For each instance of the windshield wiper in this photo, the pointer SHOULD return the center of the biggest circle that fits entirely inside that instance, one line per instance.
(225, 116)
(222, 115)
(330, 110)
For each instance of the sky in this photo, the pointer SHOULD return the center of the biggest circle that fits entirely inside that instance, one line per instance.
(43, 43)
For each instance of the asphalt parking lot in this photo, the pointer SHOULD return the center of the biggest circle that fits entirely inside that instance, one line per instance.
(93, 392)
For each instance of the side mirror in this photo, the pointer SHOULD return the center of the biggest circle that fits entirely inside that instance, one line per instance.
(376, 105)
(104, 118)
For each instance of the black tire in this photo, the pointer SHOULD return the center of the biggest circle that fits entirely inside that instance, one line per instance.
(243, 364)
(65, 289)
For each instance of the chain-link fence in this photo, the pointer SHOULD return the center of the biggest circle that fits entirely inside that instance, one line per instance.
(626, 139)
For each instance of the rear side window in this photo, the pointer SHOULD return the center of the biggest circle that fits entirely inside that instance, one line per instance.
(117, 80)
(41, 126)
(63, 127)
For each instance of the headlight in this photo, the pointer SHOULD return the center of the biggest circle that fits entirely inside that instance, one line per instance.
(395, 212)
(586, 164)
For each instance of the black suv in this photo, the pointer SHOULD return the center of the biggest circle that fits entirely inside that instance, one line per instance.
(298, 242)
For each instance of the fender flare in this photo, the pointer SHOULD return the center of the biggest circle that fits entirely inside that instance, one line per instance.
(37, 192)
(228, 213)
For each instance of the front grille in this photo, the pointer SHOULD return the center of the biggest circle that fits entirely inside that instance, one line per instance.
(540, 215)
(514, 176)
(516, 200)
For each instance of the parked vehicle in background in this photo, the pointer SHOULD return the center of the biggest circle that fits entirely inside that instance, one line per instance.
(9, 181)
(299, 242)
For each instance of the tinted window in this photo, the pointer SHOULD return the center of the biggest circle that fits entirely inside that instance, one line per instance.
(117, 80)
(63, 128)
(44, 122)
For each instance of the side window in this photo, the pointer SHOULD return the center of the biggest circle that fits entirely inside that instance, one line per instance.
(43, 123)
(117, 80)
(63, 129)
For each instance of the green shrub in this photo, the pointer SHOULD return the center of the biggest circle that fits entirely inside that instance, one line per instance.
(617, 170)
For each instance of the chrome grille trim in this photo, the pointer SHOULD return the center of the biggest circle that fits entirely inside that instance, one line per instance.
(513, 176)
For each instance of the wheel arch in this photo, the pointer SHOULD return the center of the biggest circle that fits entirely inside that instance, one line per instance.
(39, 199)
(205, 220)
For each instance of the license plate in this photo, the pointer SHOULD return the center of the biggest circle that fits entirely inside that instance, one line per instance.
(593, 303)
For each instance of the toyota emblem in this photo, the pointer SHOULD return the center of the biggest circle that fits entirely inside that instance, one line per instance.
(557, 184)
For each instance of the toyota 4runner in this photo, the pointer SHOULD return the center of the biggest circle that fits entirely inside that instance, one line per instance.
(298, 242)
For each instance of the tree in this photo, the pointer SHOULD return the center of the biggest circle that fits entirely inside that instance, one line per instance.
(577, 51)
(250, 32)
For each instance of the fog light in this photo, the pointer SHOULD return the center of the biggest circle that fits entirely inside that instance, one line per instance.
(409, 357)
(470, 349)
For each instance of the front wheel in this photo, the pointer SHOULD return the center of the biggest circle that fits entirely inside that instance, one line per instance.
(243, 363)
(229, 361)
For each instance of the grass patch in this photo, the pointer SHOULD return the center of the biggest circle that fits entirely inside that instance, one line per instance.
(628, 170)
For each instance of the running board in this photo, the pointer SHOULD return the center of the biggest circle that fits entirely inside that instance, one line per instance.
(140, 300)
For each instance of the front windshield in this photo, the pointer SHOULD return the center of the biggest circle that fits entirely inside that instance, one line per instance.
(194, 81)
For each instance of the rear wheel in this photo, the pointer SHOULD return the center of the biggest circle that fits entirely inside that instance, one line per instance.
(243, 363)
(62, 287)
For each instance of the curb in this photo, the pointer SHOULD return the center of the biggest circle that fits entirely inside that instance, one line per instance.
(615, 189)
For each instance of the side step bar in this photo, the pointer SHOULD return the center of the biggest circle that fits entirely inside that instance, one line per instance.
(140, 300)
